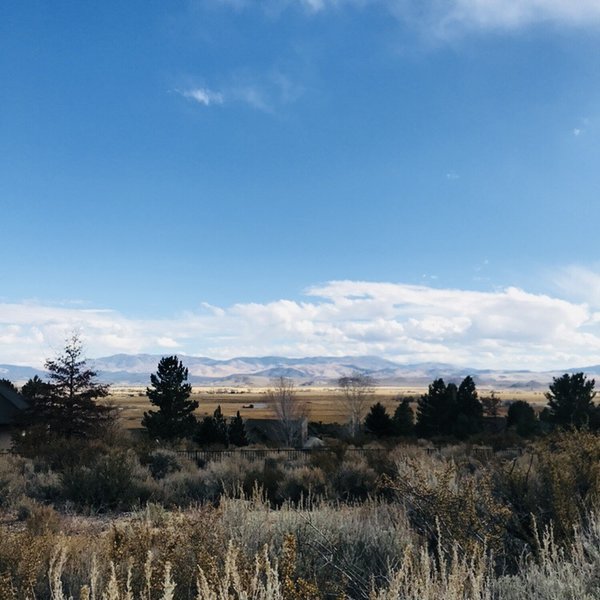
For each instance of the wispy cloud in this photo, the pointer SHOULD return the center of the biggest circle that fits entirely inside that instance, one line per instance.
(511, 14)
(449, 17)
(581, 127)
(203, 96)
(266, 93)
(579, 283)
(410, 323)
(254, 97)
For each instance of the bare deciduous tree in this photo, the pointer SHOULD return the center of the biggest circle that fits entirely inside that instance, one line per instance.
(357, 390)
(289, 410)
(491, 404)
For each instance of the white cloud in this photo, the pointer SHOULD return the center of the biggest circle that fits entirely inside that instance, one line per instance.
(508, 328)
(203, 96)
(167, 342)
(265, 92)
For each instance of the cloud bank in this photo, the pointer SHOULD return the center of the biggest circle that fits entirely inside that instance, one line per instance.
(508, 328)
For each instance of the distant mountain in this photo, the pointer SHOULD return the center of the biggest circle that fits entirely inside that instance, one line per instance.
(246, 371)
(19, 374)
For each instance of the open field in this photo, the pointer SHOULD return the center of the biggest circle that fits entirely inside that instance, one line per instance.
(323, 404)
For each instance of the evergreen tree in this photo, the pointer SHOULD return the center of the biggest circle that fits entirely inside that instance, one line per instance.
(450, 410)
(35, 419)
(221, 430)
(213, 430)
(468, 419)
(436, 409)
(403, 421)
(206, 432)
(237, 431)
(35, 390)
(522, 417)
(66, 406)
(570, 401)
(170, 393)
(378, 422)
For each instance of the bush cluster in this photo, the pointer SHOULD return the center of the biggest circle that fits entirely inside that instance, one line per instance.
(327, 527)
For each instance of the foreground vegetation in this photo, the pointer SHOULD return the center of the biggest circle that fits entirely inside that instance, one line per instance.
(124, 521)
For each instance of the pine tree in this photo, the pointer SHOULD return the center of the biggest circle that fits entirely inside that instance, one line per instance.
(221, 431)
(237, 431)
(570, 401)
(468, 419)
(35, 390)
(403, 421)
(213, 430)
(436, 410)
(522, 417)
(378, 422)
(170, 393)
(67, 406)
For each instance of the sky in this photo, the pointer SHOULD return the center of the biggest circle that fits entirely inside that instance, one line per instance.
(413, 179)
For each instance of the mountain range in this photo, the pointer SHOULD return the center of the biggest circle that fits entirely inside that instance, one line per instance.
(135, 370)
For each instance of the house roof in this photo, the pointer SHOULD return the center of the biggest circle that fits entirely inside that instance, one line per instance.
(12, 397)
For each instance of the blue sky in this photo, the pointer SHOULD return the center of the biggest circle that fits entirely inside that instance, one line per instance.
(168, 167)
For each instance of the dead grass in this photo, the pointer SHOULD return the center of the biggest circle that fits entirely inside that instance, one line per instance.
(323, 404)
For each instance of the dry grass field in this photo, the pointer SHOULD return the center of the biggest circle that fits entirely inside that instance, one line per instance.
(322, 404)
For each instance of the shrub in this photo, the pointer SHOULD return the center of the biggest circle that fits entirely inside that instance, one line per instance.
(354, 480)
(182, 488)
(447, 506)
(558, 481)
(12, 480)
(39, 518)
(162, 462)
(23, 564)
(342, 546)
(115, 480)
(302, 483)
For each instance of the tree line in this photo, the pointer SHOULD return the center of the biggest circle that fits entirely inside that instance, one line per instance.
(175, 418)
(448, 410)
(68, 405)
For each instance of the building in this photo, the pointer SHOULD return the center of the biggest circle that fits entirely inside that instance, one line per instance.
(11, 405)
(271, 431)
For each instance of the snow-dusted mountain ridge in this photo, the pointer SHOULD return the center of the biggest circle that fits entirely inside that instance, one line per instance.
(135, 369)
